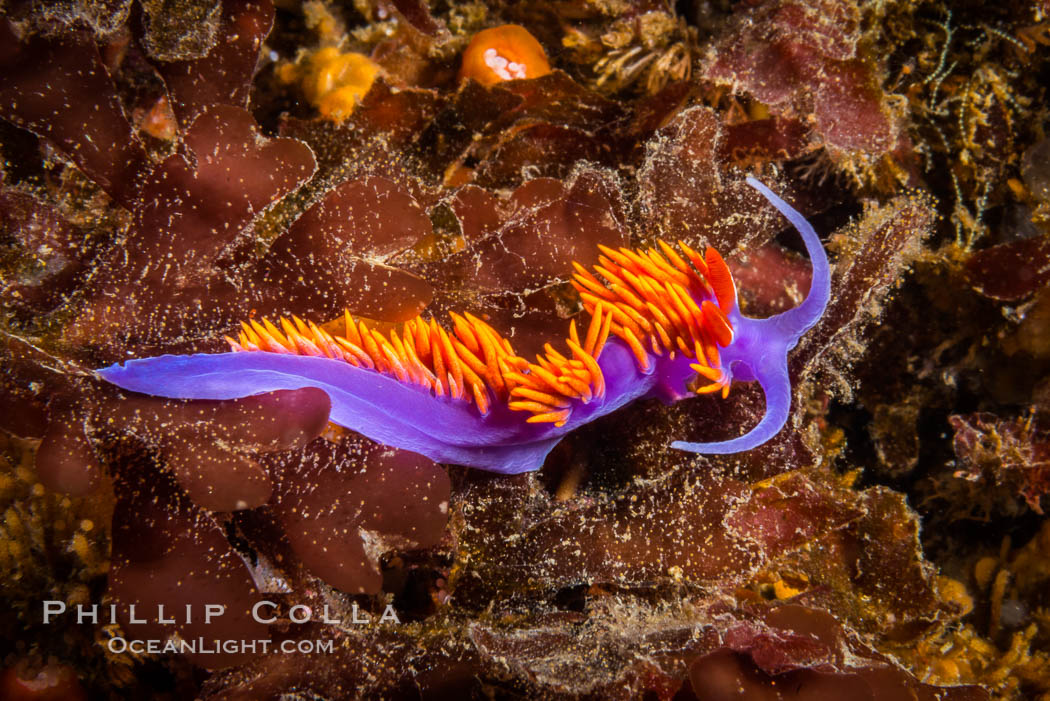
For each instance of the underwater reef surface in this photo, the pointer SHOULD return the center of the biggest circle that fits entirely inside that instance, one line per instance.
(173, 169)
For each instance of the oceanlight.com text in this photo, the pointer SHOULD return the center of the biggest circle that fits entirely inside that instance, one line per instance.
(203, 646)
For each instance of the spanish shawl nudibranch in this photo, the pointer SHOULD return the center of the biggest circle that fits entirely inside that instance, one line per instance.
(659, 323)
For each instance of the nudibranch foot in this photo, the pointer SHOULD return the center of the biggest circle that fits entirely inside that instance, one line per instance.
(664, 323)
(376, 405)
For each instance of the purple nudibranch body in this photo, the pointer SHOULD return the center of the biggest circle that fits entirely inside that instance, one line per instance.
(493, 435)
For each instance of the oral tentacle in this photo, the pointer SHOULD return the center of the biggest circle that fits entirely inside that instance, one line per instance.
(773, 377)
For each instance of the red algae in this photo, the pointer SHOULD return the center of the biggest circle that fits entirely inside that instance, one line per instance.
(788, 52)
(51, 683)
(104, 146)
(170, 553)
(792, 652)
(195, 205)
(1006, 461)
(204, 444)
(344, 506)
(222, 76)
(340, 244)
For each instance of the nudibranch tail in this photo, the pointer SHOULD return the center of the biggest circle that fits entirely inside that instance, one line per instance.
(374, 404)
(764, 343)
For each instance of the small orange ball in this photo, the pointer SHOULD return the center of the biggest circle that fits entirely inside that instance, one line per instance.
(503, 53)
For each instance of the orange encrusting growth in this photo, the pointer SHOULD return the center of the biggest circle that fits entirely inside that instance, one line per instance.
(648, 301)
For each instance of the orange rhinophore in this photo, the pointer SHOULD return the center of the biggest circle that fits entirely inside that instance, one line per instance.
(503, 53)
